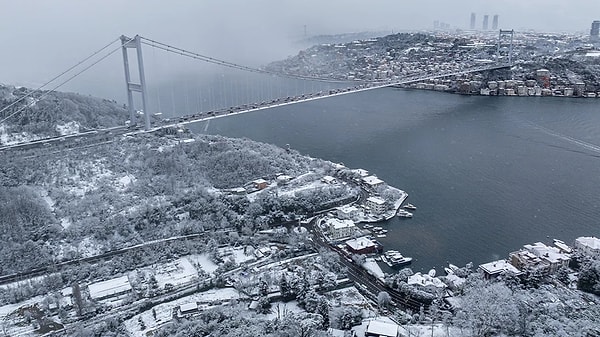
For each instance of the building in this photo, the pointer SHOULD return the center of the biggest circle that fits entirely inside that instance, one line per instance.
(495, 22)
(328, 180)
(372, 181)
(347, 211)
(485, 22)
(110, 288)
(340, 229)
(495, 268)
(188, 308)
(538, 256)
(380, 328)
(588, 245)
(473, 20)
(376, 204)
(260, 184)
(595, 31)
(363, 245)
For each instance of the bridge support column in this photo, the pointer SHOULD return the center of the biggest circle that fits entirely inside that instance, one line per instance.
(502, 34)
(135, 43)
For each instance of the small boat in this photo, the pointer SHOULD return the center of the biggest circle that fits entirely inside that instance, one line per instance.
(367, 226)
(562, 246)
(383, 231)
(448, 271)
(452, 267)
(404, 214)
(377, 229)
(431, 272)
(381, 235)
(410, 206)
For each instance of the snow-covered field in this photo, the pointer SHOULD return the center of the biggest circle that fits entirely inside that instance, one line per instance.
(203, 261)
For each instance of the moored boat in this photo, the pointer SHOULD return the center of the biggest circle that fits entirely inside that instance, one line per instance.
(410, 206)
(404, 214)
(393, 258)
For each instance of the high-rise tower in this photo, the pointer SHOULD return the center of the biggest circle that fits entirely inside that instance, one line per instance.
(473, 19)
(495, 22)
(485, 22)
(595, 31)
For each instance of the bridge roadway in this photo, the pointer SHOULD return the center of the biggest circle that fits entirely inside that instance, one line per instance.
(93, 135)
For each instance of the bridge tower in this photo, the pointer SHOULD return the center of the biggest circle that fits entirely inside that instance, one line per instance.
(503, 35)
(135, 43)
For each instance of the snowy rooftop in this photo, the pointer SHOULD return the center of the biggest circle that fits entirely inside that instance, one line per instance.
(109, 287)
(372, 180)
(380, 328)
(425, 280)
(376, 200)
(360, 243)
(339, 224)
(550, 254)
(361, 172)
(589, 241)
(188, 307)
(499, 266)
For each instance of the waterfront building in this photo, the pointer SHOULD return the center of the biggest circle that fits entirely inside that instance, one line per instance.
(538, 256)
(372, 181)
(339, 229)
(495, 268)
(363, 245)
(347, 211)
(376, 204)
(589, 246)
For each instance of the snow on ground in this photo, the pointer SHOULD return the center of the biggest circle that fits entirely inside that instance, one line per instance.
(439, 330)
(346, 296)
(14, 138)
(239, 254)
(203, 261)
(67, 128)
(373, 268)
(10, 308)
(87, 248)
(178, 272)
(164, 311)
(280, 309)
(65, 223)
(124, 182)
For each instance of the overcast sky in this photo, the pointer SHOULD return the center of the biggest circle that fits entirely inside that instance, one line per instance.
(42, 38)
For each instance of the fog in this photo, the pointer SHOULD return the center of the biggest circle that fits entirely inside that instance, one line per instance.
(40, 39)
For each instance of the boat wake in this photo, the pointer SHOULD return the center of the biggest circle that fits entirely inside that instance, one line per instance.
(588, 146)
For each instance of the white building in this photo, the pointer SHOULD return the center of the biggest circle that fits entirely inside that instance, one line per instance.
(495, 268)
(588, 245)
(109, 288)
(376, 204)
(347, 211)
(339, 229)
(380, 328)
(372, 181)
(328, 180)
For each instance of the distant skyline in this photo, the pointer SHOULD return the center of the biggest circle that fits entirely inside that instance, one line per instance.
(42, 38)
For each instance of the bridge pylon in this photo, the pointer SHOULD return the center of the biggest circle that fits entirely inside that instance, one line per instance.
(502, 36)
(135, 43)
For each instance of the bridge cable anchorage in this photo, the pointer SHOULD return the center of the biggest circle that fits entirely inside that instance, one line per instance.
(57, 76)
(208, 59)
(65, 81)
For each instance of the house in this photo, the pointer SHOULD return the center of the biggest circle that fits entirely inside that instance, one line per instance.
(110, 288)
(347, 211)
(376, 204)
(260, 184)
(495, 268)
(328, 180)
(539, 256)
(372, 181)
(339, 229)
(588, 245)
(381, 328)
(363, 245)
(188, 308)
(284, 179)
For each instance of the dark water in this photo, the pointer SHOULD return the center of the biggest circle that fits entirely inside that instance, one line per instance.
(488, 174)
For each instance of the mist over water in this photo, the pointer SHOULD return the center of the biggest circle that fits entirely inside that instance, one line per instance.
(488, 174)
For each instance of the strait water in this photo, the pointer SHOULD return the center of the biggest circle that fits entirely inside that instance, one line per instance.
(488, 174)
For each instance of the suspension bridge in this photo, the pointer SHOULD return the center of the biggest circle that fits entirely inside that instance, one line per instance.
(234, 98)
